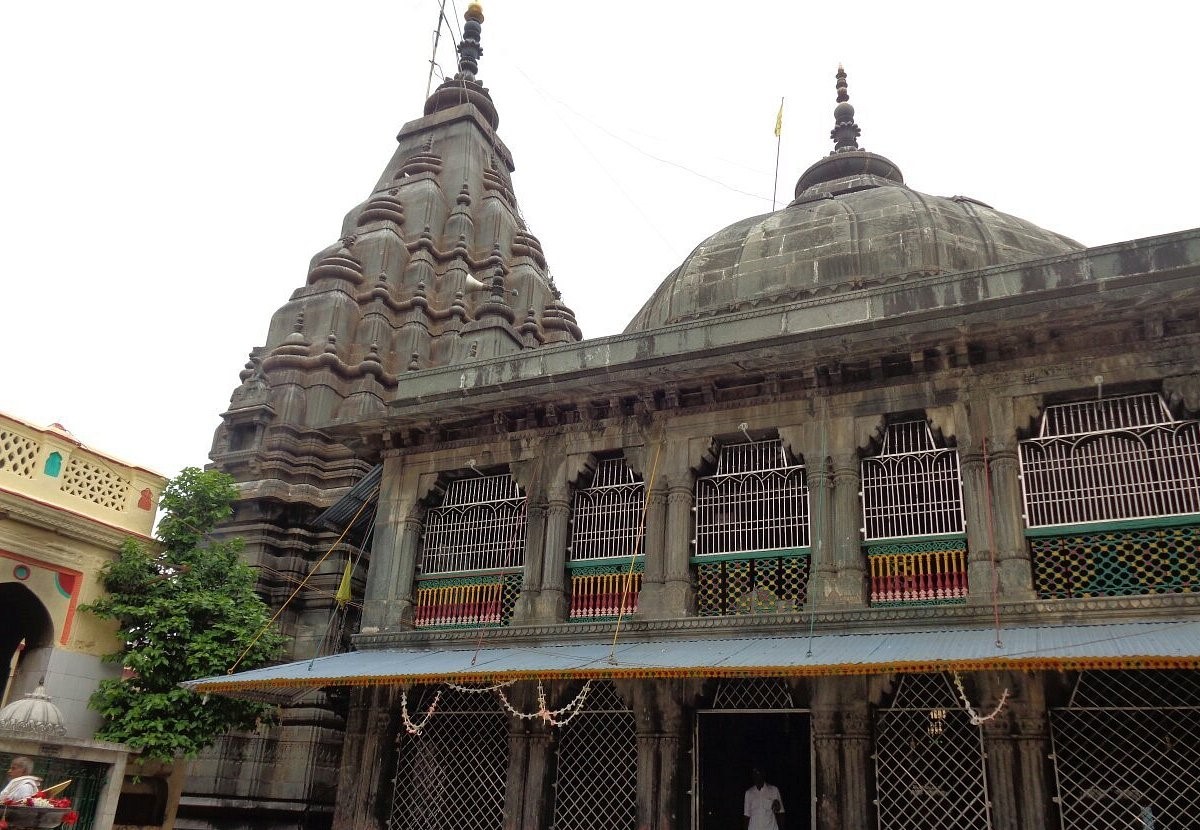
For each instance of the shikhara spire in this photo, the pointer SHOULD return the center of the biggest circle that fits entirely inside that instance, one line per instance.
(845, 132)
(464, 87)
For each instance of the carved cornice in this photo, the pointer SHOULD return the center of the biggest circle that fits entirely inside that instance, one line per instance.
(898, 620)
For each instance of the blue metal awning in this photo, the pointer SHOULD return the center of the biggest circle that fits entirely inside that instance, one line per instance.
(1167, 644)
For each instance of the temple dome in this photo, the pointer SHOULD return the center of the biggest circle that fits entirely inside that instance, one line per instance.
(34, 714)
(853, 224)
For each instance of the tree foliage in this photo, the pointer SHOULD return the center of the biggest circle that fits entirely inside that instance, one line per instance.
(186, 612)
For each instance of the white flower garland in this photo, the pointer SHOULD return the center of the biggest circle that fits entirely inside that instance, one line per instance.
(976, 718)
(552, 717)
(416, 728)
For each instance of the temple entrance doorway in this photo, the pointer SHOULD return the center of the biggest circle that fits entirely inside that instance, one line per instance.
(730, 744)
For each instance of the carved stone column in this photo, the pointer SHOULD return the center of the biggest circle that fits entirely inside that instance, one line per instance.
(531, 577)
(538, 799)
(857, 809)
(1001, 769)
(380, 593)
(823, 566)
(678, 595)
(650, 601)
(518, 761)
(1012, 552)
(847, 535)
(672, 813)
(369, 736)
(1033, 748)
(976, 513)
(639, 697)
(552, 602)
(408, 552)
(827, 767)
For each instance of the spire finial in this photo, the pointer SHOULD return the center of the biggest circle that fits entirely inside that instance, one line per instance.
(469, 49)
(845, 132)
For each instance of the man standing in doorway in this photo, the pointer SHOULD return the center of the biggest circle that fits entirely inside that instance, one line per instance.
(763, 806)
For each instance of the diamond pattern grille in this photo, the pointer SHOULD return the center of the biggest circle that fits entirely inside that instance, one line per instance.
(757, 693)
(1115, 563)
(18, 454)
(95, 484)
(452, 775)
(1127, 749)
(929, 762)
(596, 784)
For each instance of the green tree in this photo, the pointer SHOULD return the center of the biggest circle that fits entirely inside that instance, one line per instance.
(186, 612)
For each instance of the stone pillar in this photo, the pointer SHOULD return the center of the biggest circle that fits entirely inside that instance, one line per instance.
(678, 595)
(975, 493)
(847, 535)
(992, 500)
(672, 813)
(650, 601)
(388, 598)
(369, 734)
(639, 696)
(856, 779)
(518, 763)
(822, 579)
(1012, 552)
(532, 573)
(827, 767)
(538, 798)
(1033, 748)
(1003, 795)
(551, 604)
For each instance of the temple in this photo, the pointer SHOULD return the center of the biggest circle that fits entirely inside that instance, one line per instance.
(894, 496)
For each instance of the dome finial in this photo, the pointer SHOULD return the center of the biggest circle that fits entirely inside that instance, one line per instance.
(469, 49)
(845, 132)
(464, 87)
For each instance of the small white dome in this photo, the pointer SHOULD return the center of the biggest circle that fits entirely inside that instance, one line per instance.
(34, 714)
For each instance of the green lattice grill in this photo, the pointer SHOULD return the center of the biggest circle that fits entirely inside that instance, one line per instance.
(1117, 563)
(751, 586)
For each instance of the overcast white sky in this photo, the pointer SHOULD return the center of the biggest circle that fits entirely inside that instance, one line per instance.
(168, 168)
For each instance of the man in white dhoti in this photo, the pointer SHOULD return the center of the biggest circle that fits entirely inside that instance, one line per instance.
(763, 807)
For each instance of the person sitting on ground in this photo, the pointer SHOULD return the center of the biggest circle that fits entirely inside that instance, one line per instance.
(22, 784)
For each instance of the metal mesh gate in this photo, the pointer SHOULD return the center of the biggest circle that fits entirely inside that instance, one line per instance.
(596, 783)
(1127, 751)
(452, 775)
(929, 761)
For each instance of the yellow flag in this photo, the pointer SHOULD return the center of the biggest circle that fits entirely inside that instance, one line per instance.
(343, 592)
(779, 120)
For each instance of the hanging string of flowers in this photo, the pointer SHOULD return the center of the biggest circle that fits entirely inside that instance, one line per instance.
(552, 717)
(416, 728)
(481, 689)
(976, 718)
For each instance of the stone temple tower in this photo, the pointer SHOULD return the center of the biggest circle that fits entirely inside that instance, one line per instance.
(435, 267)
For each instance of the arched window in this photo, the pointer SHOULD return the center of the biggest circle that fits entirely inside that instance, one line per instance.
(913, 519)
(472, 553)
(607, 534)
(752, 532)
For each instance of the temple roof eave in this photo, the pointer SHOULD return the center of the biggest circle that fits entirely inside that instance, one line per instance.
(998, 295)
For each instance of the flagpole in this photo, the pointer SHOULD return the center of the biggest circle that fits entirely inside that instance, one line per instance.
(778, 142)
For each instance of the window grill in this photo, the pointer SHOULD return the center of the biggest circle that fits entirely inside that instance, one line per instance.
(452, 774)
(756, 501)
(1110, 460)
(480, 525)
(912, 488)
(929, 761)
(752, 694)
(607, 517)
(1126, 753)
(595, 786)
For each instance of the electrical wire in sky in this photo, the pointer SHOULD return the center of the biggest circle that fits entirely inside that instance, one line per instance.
(596, 159)
(636, 148)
